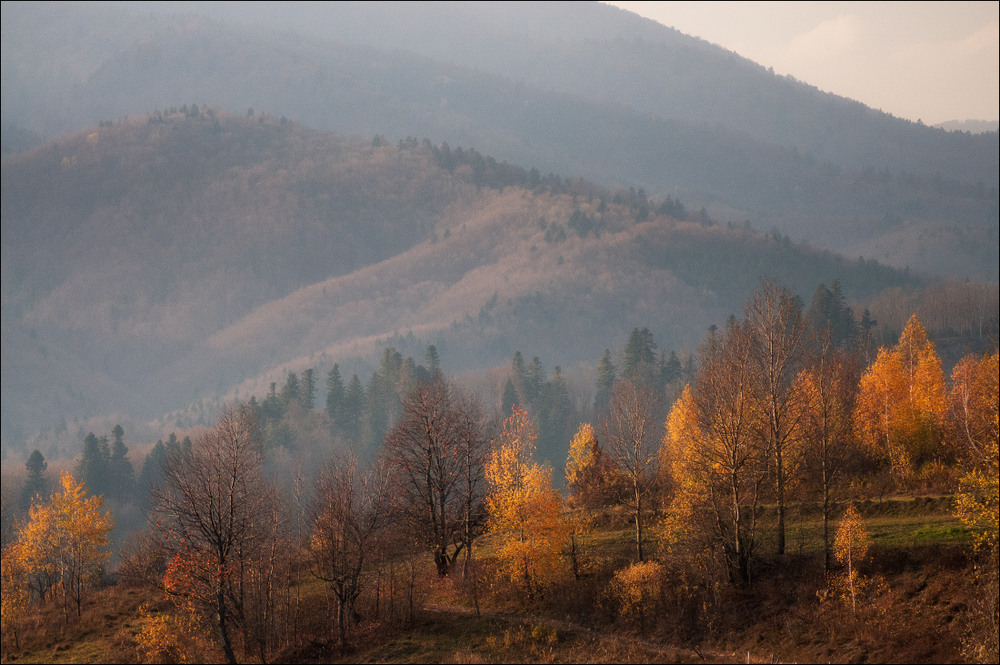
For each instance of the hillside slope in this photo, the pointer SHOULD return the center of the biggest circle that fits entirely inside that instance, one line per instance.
(175, 256)
(572, 88)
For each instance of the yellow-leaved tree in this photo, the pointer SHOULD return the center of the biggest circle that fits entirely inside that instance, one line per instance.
(973, 430)
(902, 401)
(524, 509)
(15, 596)
(583, 450)
(718, 466)
(851, 546)
(66, 540)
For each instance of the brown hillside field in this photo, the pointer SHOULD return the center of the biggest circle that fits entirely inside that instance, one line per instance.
(919, 607)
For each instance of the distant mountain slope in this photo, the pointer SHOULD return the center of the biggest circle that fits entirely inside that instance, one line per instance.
(166, 259)
(578, 89)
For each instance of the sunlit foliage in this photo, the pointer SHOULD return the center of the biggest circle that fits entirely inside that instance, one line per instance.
(524, 510)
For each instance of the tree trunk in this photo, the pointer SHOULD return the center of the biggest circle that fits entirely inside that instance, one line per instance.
(826, 517)
(227, 645)
(638, 523)
(779, 483)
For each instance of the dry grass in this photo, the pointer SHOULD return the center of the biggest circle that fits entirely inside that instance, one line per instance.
(918, 613)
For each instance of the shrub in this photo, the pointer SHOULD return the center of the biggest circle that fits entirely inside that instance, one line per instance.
(637, 590)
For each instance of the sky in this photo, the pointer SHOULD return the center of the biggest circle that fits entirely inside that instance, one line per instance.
(928, 61)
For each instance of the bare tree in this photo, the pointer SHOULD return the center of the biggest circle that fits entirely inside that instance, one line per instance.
(827, 387)
(437, 452)
(775, 328)
(474, 445)
(632, 430)
(351, 507)
(209, 514)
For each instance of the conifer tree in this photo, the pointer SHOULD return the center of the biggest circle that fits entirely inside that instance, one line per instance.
(120, 471)
(334, 395)
(605, 380)
(307, 391)
(35, 484)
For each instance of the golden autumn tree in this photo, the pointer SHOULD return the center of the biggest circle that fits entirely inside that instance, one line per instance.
(718, 465)
(65, 541)
(974, 427)
(583, 450)
(973, 430)
(15, 597)
(973, 420)
(902, 401)
(524, 510)
(590, 474)
(851, 547)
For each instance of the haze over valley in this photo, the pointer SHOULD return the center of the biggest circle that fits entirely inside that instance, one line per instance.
(199, 199)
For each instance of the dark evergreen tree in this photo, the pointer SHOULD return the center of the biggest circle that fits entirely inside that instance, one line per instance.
(829, 313)
(307, 396)
(606, 371)
(93, 468)
(121, 475)
(672, 370)
(510, 399)
(866, 336)
(554, 413)
(534, 379)
(520, 376)
(640, 364)
(334, 395)
(35, 484)
(433, 362)
(271, 409)
(352, 413)
(151, 474)
(382, 401)
(290, 391)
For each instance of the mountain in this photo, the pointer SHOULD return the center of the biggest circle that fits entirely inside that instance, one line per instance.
(577, 89)
(199, 197)
(157, 261)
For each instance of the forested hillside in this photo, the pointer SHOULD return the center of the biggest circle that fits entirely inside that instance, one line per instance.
(794, 490)
(197, 250)
(558, 87)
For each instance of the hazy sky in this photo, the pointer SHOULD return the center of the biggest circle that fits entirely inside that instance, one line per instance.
(933, 61)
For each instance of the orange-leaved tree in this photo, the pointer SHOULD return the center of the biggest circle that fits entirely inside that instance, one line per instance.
(902, 401)
(590, 473)
(15, 597)
(65, 541)
(524, 509)
(718, 464)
